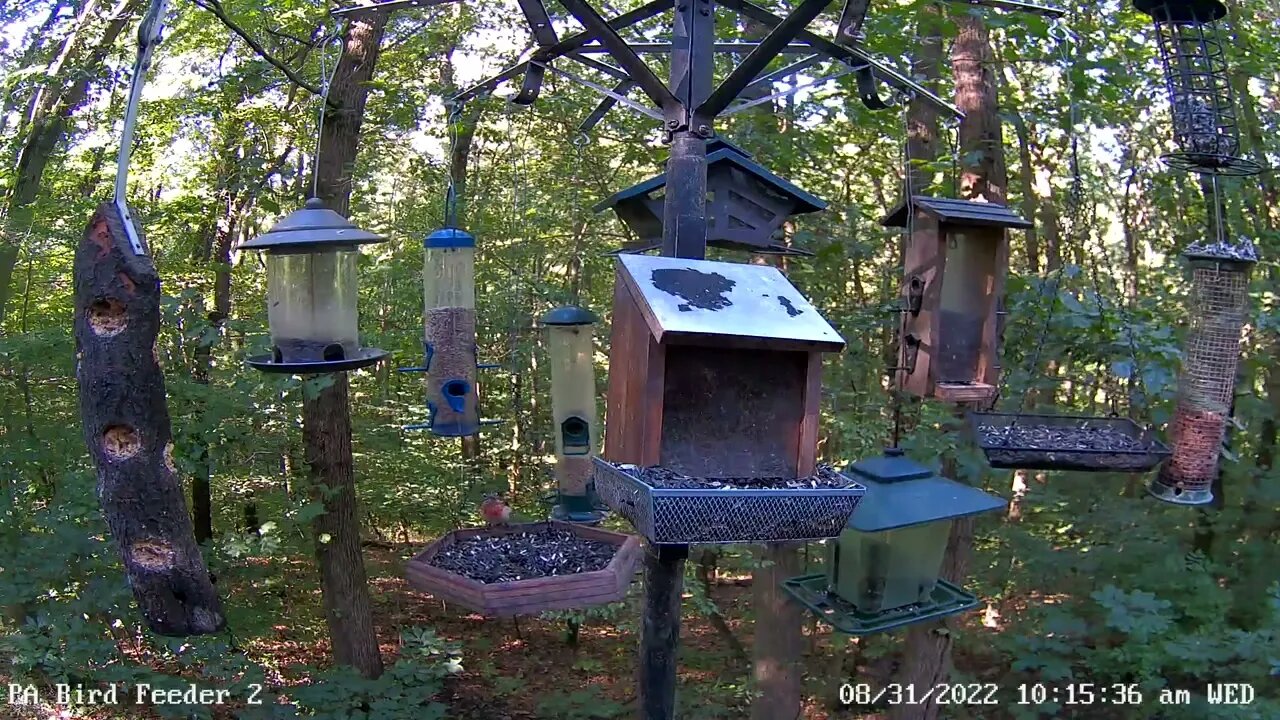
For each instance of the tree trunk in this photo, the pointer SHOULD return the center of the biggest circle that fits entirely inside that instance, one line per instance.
(983, 174)
(778, 637)
(126, 427)
(326, 417)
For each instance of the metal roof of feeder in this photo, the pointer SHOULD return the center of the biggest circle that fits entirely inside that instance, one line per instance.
(569, 315)
(961, 212)
(722, 153)
(902, 493)
(314, 225)
(449, 237)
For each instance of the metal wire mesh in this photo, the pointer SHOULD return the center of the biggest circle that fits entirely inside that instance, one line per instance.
(725, 516)
(1196, 75)
(1219, 300)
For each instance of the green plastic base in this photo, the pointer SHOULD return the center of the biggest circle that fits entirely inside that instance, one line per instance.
(811, 591)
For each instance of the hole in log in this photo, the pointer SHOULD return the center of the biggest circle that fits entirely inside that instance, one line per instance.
(152, 555)
(120, 442)
(168, 458)
(106, 318)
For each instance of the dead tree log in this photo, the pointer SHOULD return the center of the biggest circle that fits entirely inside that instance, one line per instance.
(126, 427)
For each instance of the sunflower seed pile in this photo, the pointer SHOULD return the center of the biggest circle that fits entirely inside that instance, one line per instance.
(1241, 250)
(825, 477)
(524, 556)
(1100, 438)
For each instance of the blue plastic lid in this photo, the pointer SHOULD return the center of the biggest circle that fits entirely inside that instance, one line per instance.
(449, 238)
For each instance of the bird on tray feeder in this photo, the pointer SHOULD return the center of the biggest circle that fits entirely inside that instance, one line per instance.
(882, 572)
(573, 405)
(449, 334)
(746, 204)
(311, 258)
(1198, 82)
(956, 262)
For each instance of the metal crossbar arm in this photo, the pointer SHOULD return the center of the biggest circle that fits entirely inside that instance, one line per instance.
(784, 72)
(622, 53)
(760, 57)
(615, 96)
(387, 5)
(724, 47)
(595, 64)
(567, 45)
(606, 104)
(850, 55)
(852, 17)
(791, 90)
(1048, 11)
(539, 22)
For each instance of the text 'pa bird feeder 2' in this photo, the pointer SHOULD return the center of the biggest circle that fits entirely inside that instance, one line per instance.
(956, 263)
(312, 256)
(573, 405)
(1198, 80)
(1206, 385)
(882, 573)
(527, 569)
(746, 204)
(449, 334)
(715, 371)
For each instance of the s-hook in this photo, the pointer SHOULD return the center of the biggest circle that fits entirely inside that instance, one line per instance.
(148, 38)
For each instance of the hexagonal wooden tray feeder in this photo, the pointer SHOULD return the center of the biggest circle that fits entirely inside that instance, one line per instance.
(529, 597)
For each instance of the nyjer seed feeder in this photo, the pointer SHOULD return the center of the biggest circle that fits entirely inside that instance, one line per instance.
(570, 331)
(957, 259)
(746, 204)
(311, 258)
(882, 572)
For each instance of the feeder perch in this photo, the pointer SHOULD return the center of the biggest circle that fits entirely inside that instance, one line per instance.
(573, 406)
(952, 320)
(746, 204)
(1218, 307)
(1198, 82)
(715, 371)
(882, 573)
(311, 258)
(534, 595)
(449, 334)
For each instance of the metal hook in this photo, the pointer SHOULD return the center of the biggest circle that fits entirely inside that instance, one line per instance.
(581, 140)
(148, 38)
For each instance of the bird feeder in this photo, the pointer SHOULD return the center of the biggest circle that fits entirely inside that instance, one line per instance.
(715, 375)
(311, 258)
(449, 334)
(1198, 81)
(957, 258)
(573, 406)
(746, 204)
(882, 573)
(1206, 385)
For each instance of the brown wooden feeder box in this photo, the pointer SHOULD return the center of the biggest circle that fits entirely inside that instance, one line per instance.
(957, 259)
(536, 595)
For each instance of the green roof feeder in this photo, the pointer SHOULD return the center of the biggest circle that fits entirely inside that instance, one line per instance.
(882, 572)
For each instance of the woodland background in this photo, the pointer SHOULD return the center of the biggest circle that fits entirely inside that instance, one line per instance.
(1086, 579)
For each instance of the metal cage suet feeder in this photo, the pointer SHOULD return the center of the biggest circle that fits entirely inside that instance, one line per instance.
(311, 258)
(1198, 81)
(1218, 308)
(570, 331)
(882, 572)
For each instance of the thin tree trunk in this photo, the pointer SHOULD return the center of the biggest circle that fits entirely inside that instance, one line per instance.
(778, 638)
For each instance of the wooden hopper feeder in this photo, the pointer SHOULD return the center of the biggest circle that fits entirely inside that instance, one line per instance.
(535, 595)
(746, 204)
(715, 371)
(956, 262)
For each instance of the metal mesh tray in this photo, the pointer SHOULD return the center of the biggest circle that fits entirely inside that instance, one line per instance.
(683, 517)
(1043, 442)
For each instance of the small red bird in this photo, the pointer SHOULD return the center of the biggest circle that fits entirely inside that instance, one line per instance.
(494, 510)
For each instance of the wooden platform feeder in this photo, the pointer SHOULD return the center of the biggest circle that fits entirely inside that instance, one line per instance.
(528, 597)
(957, 259)
(715, 371)
(746, 204)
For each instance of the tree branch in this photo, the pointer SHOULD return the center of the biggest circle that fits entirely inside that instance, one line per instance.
(215, 7)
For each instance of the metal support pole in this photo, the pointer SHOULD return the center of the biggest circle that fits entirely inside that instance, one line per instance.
(693, 38)
(660, 630)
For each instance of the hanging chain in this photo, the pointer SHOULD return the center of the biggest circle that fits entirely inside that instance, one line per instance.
(908, 191)
(326, 81)
(452, 122)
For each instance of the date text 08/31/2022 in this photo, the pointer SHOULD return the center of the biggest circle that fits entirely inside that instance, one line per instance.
(1078, 693)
